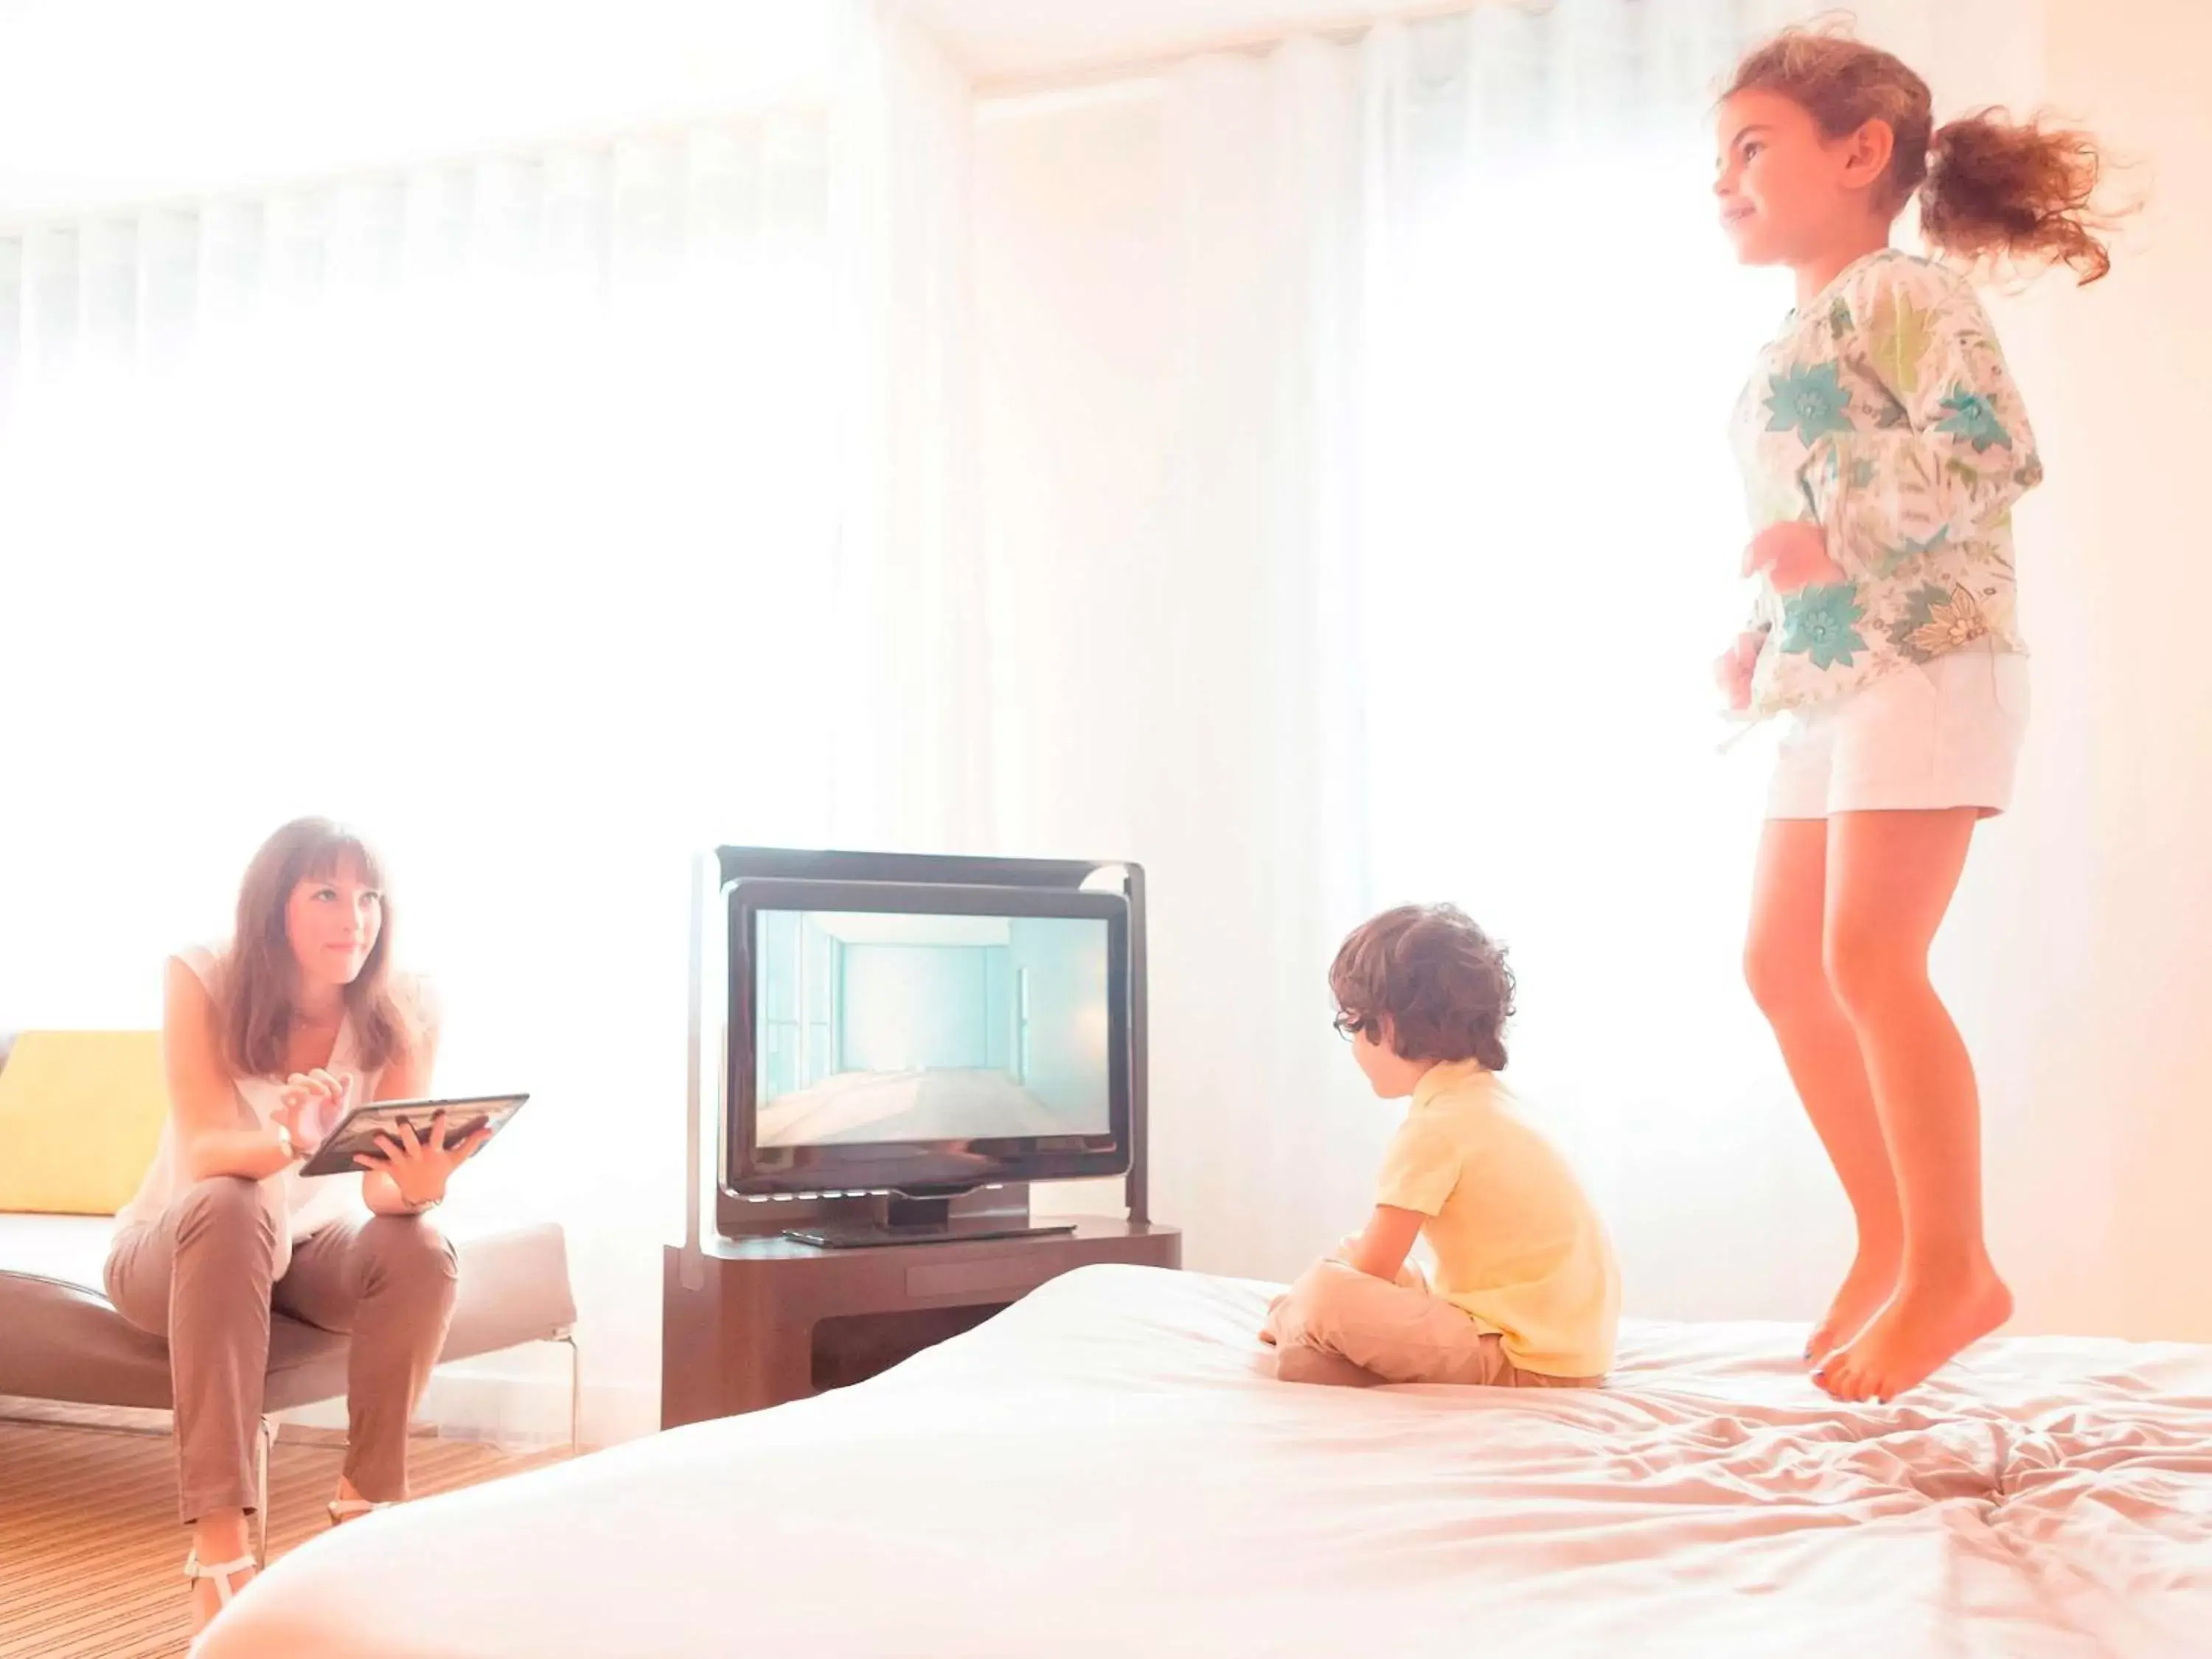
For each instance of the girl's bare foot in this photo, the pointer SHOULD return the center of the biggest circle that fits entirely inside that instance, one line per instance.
(1924, 1327)
(1870, 1284)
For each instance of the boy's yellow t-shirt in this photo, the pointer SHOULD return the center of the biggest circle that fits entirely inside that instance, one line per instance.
(1518, 1245)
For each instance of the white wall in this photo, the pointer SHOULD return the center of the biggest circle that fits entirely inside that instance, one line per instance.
(223, 95)
(2090, 920)
(1075, 387)
(2078, 957)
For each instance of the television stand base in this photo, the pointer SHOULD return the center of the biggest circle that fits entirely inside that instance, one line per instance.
(868, 1235)
(757, 1321)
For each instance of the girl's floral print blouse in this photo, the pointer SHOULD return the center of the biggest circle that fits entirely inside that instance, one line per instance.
(1884, 413)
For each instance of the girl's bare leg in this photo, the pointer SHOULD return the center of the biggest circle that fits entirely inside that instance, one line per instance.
(1785, 964)
(1891, 875)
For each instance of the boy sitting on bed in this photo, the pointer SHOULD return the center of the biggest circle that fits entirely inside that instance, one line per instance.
(1527, 1293)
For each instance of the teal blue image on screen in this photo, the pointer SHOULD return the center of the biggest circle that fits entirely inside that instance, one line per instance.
(877, 1027)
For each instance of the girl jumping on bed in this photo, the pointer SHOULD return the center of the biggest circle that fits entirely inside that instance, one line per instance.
(265, 1041)
(1883, 445)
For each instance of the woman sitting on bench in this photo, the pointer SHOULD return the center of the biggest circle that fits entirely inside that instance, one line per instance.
(266, 1043)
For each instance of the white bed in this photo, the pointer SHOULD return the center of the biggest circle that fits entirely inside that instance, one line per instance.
(1103, 1471)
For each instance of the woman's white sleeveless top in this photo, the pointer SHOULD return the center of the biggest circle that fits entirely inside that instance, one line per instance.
(300, 1205)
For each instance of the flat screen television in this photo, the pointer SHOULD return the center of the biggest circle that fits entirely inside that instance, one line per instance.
(924, 1038)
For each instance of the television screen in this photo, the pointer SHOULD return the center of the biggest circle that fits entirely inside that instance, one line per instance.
(878, 1026)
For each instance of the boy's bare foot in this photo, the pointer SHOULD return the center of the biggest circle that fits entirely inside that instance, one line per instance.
(1923, 1329)
(1870, 1284)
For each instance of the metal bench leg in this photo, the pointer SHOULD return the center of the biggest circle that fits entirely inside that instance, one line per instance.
(262, 1442)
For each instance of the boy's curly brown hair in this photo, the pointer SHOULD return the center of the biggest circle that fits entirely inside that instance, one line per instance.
(1440, 980)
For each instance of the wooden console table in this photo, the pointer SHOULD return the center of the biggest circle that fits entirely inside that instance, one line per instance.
(751, 1323)
(750, 1318)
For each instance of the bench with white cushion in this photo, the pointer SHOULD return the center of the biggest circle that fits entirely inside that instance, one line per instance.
(62, 1340)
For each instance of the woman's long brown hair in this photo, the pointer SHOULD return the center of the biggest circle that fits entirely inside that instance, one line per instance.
(260, 982)
(1992, 191)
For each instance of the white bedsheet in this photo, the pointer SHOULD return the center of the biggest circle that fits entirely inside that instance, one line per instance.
(1101, 1471)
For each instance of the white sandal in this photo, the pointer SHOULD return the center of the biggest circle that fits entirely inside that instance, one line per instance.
(346, 1508)
(221, 1575)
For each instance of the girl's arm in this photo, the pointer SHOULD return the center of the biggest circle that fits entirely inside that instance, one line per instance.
(1959, 451)
(210, 1140)
(1381, 1250)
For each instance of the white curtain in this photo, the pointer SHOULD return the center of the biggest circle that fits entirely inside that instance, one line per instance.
(552, 516)
(1253, 822)
(488, 506)
(1440, 540)
(913, 732)
(1551, 558)
(1419, 347)
(1300, 472)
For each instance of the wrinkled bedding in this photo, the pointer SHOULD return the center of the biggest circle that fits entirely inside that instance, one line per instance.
(1105, 1469)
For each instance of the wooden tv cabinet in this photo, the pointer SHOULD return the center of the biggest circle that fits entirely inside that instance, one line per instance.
(750, 1318)
(755, 1321)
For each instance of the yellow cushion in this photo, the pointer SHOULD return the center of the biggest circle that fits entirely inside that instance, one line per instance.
(80, 1115)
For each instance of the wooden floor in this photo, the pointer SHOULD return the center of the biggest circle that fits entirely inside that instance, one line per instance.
(91, 1555)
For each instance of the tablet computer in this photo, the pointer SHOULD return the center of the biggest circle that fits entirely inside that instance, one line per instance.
(357, 1131)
